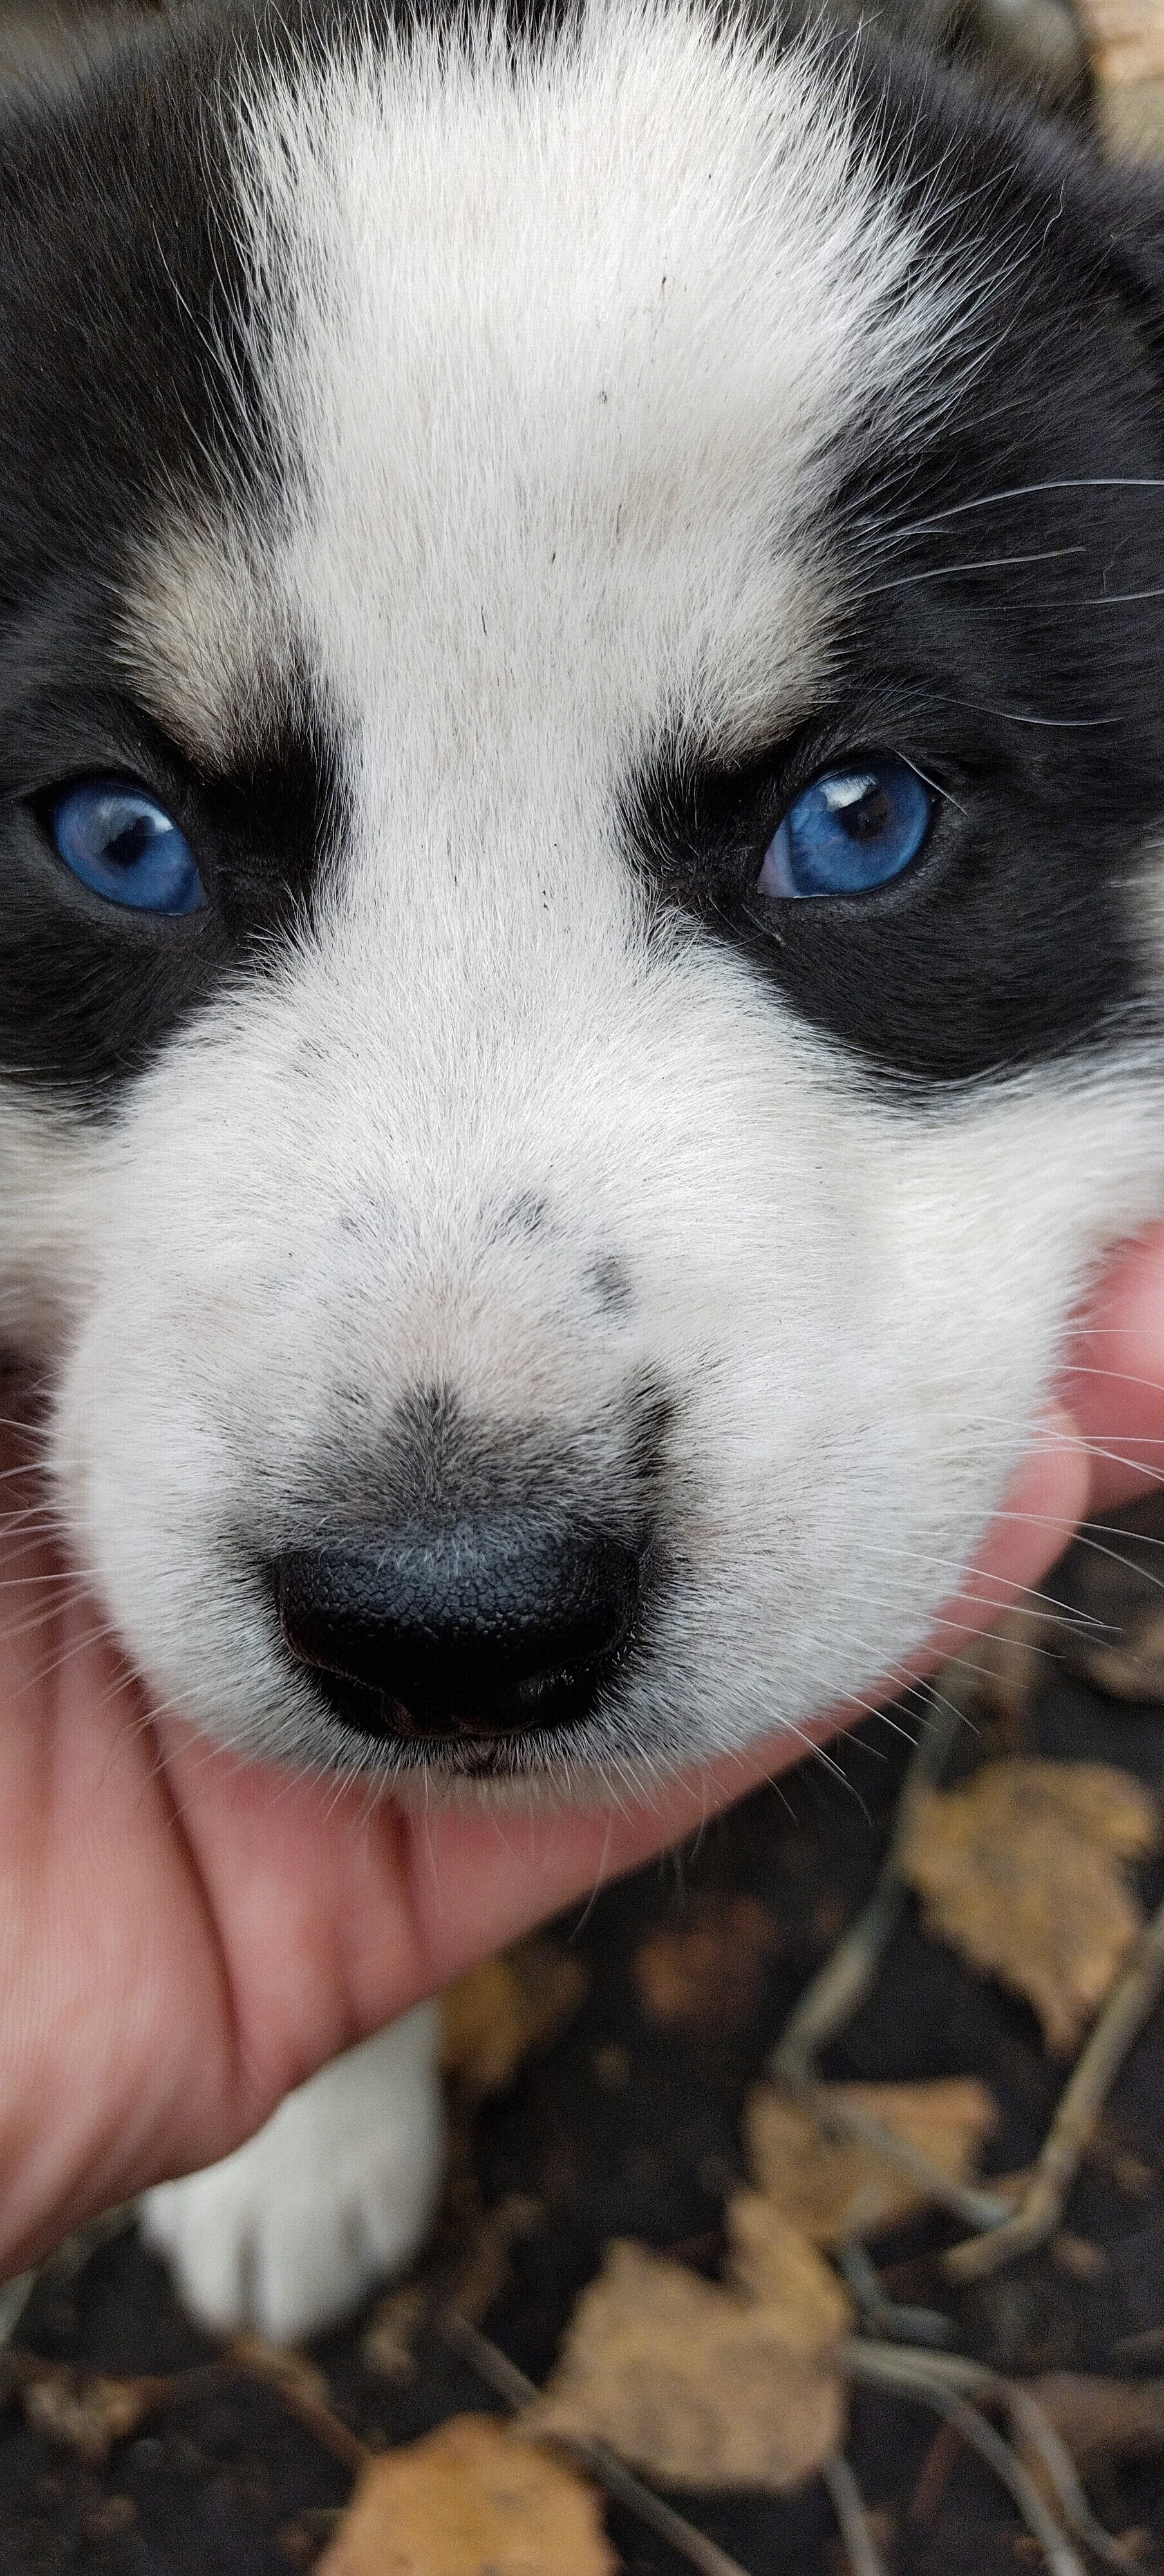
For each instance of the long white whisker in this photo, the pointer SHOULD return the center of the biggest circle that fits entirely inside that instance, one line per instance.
(1030, 491)
(980, 563)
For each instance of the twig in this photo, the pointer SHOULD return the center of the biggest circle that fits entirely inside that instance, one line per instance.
(930, 2375)
(976, 2208)
(975, 2429)
(501, 2374)
(851, 1970)
(881, 2314)
(1027, 2418)
(921, 2376)
(1039, 2212)
(848, 2504)
(303, 2392)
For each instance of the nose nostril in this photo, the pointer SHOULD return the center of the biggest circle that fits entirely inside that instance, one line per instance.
(475, 1631)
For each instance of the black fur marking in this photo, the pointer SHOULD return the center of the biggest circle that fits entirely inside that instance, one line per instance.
(120, 368)
(610, 1280)
(527, 1217)
(1010, 648)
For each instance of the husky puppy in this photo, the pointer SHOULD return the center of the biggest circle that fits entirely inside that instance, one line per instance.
(581, 938)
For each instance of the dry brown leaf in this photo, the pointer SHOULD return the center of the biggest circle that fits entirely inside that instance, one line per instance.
(85, 2413)
(471, 2499)
(775, 2264)
(503, 2010)
(1133, 1668)
(386, 2344)
(1022, 1870)
(709, 1972)
(688, 2382)
(834, 2188)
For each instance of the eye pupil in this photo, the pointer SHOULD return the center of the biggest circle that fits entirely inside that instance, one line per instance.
(128, 846)
(852, 830)
(123, 845)
(869, 817)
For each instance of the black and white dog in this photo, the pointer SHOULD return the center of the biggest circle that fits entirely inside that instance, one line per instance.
(581, 919)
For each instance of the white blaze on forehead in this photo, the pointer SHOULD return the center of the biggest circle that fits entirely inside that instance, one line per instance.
(555, 344)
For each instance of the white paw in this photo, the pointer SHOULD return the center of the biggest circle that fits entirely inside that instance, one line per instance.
(290, 2232)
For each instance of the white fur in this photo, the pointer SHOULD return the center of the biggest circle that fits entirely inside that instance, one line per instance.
(338, 2189)
(555, 357)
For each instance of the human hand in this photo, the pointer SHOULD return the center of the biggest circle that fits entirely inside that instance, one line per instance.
(184, 1938)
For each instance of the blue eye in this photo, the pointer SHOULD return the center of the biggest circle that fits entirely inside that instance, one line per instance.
(124, 845)
(851, 830)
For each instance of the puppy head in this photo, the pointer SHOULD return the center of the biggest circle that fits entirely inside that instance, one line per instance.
(550, 1139)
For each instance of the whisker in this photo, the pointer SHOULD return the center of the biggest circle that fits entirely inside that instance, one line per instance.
(1014, 715)
(1084, 1538)
(1031, 491)
(978, 563)
(956, 1566)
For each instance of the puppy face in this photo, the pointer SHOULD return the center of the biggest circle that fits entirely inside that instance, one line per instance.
(522, 1233)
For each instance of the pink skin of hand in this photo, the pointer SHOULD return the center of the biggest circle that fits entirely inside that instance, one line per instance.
(183, 1938)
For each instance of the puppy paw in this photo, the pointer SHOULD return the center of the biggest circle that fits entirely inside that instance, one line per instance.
(288, 2234)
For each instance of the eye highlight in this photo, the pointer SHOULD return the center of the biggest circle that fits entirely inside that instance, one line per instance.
(120, 842)
(853, 829)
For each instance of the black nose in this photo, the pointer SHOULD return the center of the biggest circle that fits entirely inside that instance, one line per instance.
(478, 1630)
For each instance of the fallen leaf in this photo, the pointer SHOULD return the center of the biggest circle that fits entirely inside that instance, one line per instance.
(83, 2412)
(472, 2499)
(689, 2382)
(1022, 1871)
(710, 1972)
(386, 2344)
(833, 2188)
(777, 2266)
(1130, 1668)
(504, 2009)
